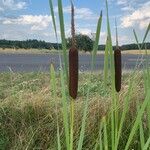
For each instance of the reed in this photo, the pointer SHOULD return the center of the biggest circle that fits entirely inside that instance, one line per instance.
(73, 61)
(118, 69)
(117, 62)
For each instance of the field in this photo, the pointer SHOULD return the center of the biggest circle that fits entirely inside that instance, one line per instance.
(106, 109)
(28, 111)
(44, 51)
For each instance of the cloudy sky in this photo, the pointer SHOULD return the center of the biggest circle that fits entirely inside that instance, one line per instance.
(30, 19)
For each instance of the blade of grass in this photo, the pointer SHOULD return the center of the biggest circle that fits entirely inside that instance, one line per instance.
(62, 30)
(142, 139)
(110, 48)
(147, 144)
(125, 110)
(95, 47)
(55, 29)
(136, 38)
(53, 17)
(81, 138)
(106, 59)
(99, 142)
(53, 85)
(65, 110)
(105, 134)
(137, 121)
(145, 36)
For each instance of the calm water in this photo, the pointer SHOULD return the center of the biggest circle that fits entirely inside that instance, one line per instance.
(41, 62)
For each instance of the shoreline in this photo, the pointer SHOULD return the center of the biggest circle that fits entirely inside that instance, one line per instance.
(44, 51)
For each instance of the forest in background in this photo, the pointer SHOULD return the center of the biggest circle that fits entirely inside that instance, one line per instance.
(84, 43)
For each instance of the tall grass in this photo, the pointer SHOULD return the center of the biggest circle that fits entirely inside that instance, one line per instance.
(111, 125)
(108, 121)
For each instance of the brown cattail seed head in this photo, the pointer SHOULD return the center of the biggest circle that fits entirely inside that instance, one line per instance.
(118, 69)
(73, 72)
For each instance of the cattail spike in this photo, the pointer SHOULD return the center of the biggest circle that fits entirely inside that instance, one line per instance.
(73, 60)
(73, 72)
(118, 69)
(118, 63)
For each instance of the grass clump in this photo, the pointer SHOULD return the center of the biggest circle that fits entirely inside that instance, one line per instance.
(28, 114)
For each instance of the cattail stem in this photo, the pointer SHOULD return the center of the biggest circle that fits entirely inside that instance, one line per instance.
(73, 61)
(118, 69)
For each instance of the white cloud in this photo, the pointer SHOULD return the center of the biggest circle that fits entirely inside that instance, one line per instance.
(80, 13)
(84, 31)
(6, 5)
(122, 2)
(139, 17)
(37, 22)
(127, 8)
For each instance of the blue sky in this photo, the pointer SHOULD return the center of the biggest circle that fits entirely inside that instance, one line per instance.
(30, 19)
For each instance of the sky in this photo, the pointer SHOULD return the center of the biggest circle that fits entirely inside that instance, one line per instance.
(31, 19)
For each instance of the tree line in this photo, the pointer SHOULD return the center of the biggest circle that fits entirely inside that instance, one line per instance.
(83, 42)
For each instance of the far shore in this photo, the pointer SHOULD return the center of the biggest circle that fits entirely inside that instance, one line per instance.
(45, 51)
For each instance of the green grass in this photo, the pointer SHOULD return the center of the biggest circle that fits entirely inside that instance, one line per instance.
(38, 113)
(28, 111)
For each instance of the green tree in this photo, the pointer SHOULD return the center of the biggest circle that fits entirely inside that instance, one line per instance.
(83, 42)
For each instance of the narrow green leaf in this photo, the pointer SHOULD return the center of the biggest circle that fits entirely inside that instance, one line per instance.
(80, 143)
(105, 134)
(53, 85)
(106, 58)
(95, 47)
(137, 121)
(62, 30)
(147, 145)
(125, 110)
(53, 17)
(55, 29)
(65, 110)
(136, 38)
(142, 139)
(145, 36)
(110, 48)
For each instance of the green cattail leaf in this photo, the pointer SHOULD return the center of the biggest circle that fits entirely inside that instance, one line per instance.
(95, 47)
(65, 110)
(55, 29)
(137, 120)
(105, 134)
(53, 85)
(62, 30)
(142, 139)
(80, 143)
(53, 17)
(125, 110)
(110, 48)
(106, 58)
(136, 38)
(147, 144)
(145, 36)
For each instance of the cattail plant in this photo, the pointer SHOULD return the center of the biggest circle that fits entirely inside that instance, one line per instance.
(73, 60)
(118, 65)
